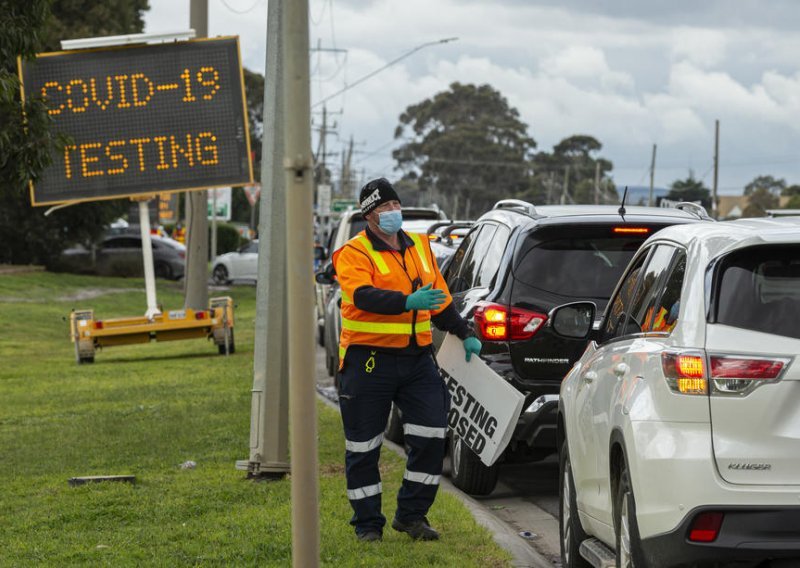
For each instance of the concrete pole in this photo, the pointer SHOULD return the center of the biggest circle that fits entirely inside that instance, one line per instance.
(652, 176)
(196, 280)
(597, 182)
(298, 167)
(714, 212)
(269, 415)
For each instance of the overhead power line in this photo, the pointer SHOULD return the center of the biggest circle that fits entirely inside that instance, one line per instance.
(373, 73)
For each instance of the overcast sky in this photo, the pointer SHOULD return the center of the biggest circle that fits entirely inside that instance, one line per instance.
(631, 73)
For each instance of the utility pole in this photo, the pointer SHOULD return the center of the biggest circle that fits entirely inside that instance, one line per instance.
(565, 186)
(455, 207)
(597, 182)
(298, 169)
(269, 414)
(467, 208)
(196, 287)
(652, 176)
(714, 211)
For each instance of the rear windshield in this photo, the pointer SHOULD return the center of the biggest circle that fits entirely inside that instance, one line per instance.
(759, 289)
(578, 267)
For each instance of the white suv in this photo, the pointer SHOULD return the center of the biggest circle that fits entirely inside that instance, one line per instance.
(680, 424)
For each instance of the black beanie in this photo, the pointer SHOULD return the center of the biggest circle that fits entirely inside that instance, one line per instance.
(375, 193)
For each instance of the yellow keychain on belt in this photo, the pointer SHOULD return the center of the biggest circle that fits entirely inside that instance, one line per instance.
(370, 365)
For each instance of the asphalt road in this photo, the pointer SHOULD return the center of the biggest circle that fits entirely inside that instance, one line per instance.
(526, 497)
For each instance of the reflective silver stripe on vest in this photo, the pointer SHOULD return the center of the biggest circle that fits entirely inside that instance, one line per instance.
(367, 446)
(424, 478)
(364, 492)
(423, 431)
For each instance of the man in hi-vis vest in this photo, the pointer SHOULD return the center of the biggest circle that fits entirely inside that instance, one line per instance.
(392, 291)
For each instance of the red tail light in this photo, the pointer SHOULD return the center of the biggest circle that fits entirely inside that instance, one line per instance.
(499, 323)
(705, 527)
(98, 325)
(201, 315)
(740, 368)
(182, 254)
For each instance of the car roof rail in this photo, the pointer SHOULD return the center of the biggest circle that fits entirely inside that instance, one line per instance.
(698, 210)
(517, 205)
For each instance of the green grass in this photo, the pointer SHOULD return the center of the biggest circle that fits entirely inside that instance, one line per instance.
(144, 410)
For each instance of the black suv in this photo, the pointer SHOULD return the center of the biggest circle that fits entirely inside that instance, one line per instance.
(518, 263)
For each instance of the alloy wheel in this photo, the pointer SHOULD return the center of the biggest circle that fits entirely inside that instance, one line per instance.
(624, 552)
(455, 458)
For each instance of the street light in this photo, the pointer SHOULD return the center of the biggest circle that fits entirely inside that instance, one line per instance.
(373, 73)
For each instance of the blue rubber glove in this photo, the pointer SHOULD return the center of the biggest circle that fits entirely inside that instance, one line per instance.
(472, 345)
(425, 299)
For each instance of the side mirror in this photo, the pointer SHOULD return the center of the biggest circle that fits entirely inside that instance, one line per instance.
(573, 321)
(325, 276)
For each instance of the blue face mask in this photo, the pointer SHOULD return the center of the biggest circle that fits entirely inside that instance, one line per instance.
(390, 221)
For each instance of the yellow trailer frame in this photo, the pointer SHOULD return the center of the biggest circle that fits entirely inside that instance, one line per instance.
(89, 333)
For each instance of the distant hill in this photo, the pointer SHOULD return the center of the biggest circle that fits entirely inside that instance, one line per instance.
(639, 194)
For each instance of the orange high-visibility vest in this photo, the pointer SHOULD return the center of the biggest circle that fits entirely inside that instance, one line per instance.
(358, 264)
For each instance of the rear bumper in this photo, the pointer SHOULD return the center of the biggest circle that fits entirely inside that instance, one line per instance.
(747, 533)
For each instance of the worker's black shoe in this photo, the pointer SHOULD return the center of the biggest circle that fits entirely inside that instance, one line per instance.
(369, 536)
(418, 529)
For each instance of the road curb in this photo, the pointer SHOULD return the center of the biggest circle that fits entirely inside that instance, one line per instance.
(523, 555)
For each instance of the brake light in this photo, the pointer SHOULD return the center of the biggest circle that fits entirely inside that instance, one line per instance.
(741, 374)
(685, 372)
(499, 323)
(201, 315)
(98, 325)
(705, 527)
(630, 230)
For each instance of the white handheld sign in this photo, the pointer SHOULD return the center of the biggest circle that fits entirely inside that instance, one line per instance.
(484, 408)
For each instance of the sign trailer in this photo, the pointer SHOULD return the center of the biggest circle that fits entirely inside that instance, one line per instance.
(143, 120)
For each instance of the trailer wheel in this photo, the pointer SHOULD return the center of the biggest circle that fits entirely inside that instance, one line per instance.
(231, 343)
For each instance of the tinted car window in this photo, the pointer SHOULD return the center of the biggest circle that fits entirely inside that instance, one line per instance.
(759, 289)
(665, 314)
(252, 247)
(645, 298)
(493, 256)
(470, 268)
(357, 224)
(619, 308)
(577, 267)
(451, 274)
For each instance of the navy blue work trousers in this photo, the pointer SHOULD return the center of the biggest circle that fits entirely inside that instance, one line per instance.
(369, 382)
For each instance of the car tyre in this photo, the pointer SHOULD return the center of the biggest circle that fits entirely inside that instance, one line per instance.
(394, 426)
(468, 471)
(570, 531)
(163, 270)
(330, 364)
(220, 275)
(628, 543)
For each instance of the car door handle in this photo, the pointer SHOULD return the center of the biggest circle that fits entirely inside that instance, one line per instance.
(589, 376)
(620, 369)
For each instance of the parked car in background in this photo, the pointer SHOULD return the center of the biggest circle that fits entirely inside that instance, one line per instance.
(678, 426)
(121, 255)
(517, 263)
(238, 265)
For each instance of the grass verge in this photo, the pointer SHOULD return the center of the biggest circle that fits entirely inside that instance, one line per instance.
(144, 410)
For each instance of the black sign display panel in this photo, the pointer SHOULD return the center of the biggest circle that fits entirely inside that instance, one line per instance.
(142, 119)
